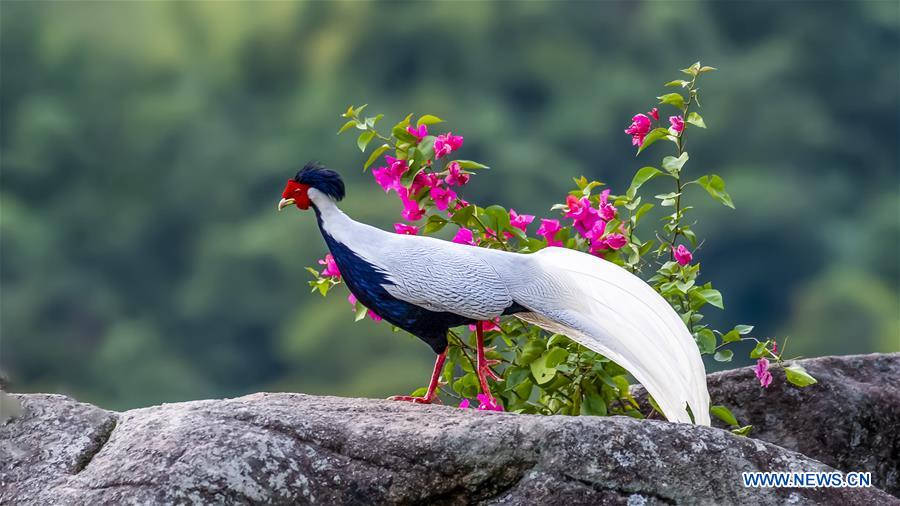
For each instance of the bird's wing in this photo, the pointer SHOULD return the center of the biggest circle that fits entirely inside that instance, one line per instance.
(442, 276)
(609, 310)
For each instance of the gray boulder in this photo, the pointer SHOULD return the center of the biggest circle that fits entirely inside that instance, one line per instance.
(294, 448)
(849, 420)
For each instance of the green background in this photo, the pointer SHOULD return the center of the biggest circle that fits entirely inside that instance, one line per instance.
(143, 147)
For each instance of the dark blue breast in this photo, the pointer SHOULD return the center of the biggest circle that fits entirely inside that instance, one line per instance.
(367, 283)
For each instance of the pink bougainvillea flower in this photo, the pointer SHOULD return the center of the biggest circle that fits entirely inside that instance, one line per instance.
(331, 268)
(488, 325)
(677, 125)
(520, 221)
(424, 180)
(654, 113)
(584, 216)
(464, 404)
(762, 372)
(442, 197)
(548, 230)
(464, 236)
(411, 210)
(616, 241)
(446, 144)
(460, 203)
(640, 127)
(682, 255)
(389, 177)
(455, 176)
(607, 210)
(402, 228)
(775, 347)
(488, 403)
(418, 133)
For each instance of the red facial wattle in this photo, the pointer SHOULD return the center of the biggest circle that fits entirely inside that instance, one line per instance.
(298, 192)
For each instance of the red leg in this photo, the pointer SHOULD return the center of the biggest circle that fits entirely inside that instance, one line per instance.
(430, 395)
(483, 364)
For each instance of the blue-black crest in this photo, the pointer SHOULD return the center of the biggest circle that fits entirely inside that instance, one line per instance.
(317, 176)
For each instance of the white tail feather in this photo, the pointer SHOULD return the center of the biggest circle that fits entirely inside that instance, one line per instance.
(613, 312)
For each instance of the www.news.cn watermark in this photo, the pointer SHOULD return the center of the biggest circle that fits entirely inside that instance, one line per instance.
(806, 479)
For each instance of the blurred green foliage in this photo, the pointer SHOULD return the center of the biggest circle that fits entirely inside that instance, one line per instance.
(143, 147)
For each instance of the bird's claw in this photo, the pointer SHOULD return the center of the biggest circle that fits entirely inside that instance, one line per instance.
(415, 399)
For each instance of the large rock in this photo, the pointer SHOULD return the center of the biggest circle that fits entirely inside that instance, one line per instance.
(849, 420)
(293, 448)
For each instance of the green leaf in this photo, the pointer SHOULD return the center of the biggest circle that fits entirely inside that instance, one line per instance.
(723, 356)
(715, 186)
(696, 120)
(673, 165)
(759, 350)
(743, 329)
(361, 312)
(469, 164)
(676, 99)
(347, 126)
(593, 405)
(375, 154)
(434, 224)
(641, 212)
(706, 341)
(533, 349)
(463, 216)
(724, 414)
(428, 119)
(654, 135)
(497, 218)
(693, 70)
(706, 69)
(797, 375)
(709, 296)
(679, 82)
(363, 140)
(643, 175)
(731, 337)
(743, 431)
(544, 368)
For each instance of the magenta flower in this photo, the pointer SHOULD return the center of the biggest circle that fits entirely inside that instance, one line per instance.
(442, 197)
(520, 221)
(464, 404)
(654, 113)
(455, 175)
(418, 133)
(411, 210)
(762, 372)
(446, 144)
(460, 203)
(640, 127)
(464, 236)
(402, 228)
(488, 403)
(331, 268)
(616, 241)
(548, 230)
(584, 216)
(424, 180)
(775, 347)
(682, 255)
(607, 210)
(488, 325)
(677, 125)
(389, 177)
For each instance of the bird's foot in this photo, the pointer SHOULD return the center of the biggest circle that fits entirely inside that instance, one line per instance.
(416, 399)
(484, 370)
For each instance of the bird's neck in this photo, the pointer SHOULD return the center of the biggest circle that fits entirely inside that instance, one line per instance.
(335, 225)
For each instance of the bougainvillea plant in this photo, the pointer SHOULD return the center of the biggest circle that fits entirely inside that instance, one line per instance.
(550, 374)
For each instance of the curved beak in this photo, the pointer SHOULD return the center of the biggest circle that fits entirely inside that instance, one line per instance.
(284, 203)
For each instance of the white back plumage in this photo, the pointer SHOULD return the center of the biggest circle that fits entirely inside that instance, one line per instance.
(594, 302)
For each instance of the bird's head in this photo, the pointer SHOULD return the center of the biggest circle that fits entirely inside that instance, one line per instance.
(312, 176)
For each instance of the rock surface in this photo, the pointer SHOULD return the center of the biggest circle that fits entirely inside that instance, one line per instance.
(294, 448)
(849, 420)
